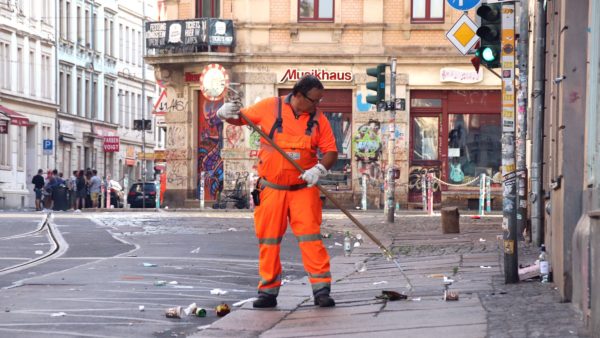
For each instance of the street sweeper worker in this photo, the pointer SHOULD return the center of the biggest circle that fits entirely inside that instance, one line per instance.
(283, 193)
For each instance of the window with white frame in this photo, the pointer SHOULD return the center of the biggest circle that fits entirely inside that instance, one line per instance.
(5, 149)
(79, 109)
(121, 42)
(32, 72)
(20, 71)
(427, 11)
(315, 10)
(5, 63)
(68, 20)
(79, 33)
(45, 76)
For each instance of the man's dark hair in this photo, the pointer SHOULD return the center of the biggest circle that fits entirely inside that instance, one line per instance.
(55, 172)
(95, 172)
(40, 171)
(306, 83)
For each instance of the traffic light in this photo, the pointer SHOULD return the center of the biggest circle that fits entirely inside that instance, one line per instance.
(378, 86)
(489, 32)
(142, 124)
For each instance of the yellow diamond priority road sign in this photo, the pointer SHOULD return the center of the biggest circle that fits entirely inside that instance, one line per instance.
(463, 35)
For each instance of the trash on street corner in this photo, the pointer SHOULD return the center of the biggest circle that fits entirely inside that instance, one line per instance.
(173, 312)
(218, 292)
(141, 308)
(391, 295)
(160, 283)
(450, 295)
(190, 309)
(222, 309)
(149, 265)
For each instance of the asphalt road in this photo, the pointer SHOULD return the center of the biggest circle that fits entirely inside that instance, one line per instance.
(98, 282)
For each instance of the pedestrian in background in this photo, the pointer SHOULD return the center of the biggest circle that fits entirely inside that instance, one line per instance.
(296, 126)
(81, 185)
(95, 185)
(38, 185)
(72, 186)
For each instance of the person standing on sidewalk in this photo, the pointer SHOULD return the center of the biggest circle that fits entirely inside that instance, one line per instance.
(296, 126)
(38, 185)
(95, 185)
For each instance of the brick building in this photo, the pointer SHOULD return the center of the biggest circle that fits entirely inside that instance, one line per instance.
(450, 127)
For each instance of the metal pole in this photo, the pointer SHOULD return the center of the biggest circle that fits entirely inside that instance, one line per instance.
(522, 57)
(364, 192)
(391, 145)
(144, 109)
(537, 147)
(509, 221)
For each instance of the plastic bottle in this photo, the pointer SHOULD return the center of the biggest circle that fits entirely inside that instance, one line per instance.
(347, 244)
(544, 268)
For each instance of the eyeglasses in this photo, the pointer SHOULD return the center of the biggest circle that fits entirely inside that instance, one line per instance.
(313, 101)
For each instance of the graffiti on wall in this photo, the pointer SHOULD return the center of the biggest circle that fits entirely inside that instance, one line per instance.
(368, 149)
(210, 143)
(234, 136)
(415, 178)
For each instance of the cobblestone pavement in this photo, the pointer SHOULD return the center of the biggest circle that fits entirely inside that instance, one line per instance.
(525, 309)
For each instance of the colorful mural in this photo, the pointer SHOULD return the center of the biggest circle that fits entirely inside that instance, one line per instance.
(210, 143)
(368, 149)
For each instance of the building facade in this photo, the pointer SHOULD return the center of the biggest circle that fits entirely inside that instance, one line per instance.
(571, 153)
(28, 100)
(277, 41)
(101, 88)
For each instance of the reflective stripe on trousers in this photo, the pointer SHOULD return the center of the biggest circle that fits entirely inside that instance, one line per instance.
(303, 208)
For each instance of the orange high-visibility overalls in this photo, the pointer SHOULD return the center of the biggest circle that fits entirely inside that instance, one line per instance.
(284, 195)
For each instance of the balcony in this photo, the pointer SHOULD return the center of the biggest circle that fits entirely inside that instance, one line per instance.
(188, 40)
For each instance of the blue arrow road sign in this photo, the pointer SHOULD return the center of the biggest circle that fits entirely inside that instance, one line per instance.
(463, 5)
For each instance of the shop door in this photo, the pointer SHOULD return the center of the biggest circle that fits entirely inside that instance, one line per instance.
(425, 157)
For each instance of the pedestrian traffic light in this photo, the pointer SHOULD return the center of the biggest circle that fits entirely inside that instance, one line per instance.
(142, 124)
(378, 86)
(489, 32)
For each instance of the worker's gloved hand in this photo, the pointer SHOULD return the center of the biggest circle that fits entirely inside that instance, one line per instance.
(312, 175)
(229, 110)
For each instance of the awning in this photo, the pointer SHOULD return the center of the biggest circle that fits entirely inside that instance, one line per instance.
(15, 118)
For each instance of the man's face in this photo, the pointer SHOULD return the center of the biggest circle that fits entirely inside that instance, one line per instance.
(308, 102)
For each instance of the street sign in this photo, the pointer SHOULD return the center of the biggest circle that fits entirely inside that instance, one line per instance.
(47, 147)
(463, 5)
(463, 34)
(111, 144)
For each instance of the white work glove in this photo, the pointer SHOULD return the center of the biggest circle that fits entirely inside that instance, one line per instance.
(229, 110)
(312, 175)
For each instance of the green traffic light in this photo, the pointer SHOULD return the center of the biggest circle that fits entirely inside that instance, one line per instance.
(488, 54)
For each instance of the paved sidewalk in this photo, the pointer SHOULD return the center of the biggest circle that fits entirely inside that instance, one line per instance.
(486, 307)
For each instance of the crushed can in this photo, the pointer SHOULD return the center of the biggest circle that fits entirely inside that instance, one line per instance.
(222, 309)
(173, 312)
(200, 312)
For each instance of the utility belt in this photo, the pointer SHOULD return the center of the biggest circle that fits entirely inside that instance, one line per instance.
(262, 183)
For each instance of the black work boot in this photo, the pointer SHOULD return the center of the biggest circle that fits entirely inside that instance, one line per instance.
(265, 301)
(323, 299)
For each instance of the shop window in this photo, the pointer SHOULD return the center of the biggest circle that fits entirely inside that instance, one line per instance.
(474, 146)
(425, 134)
(340, 174)
(426, 103)
(427, 11)
(207, 9)
(315, 10)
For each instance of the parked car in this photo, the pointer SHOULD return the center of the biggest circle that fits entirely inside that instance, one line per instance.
(135, 198)
(117, 195)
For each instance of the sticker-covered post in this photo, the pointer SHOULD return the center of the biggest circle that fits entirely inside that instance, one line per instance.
(509, 207)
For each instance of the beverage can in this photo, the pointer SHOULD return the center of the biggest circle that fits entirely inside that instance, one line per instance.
(200, 312)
